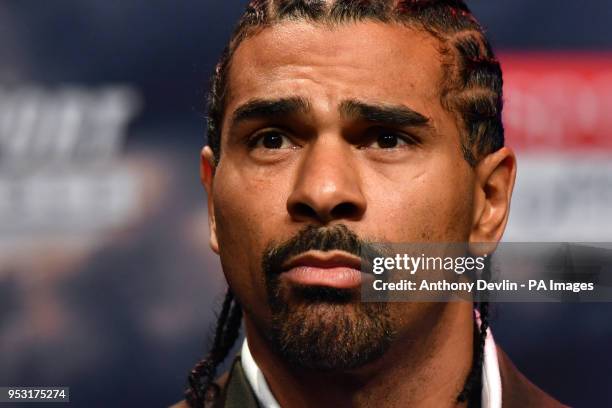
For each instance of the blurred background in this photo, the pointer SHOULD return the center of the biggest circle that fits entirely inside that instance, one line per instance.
(107, 284)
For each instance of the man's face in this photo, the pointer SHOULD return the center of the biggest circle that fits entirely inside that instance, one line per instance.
(334, 131)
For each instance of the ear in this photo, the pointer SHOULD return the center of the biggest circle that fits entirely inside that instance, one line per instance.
(207, 170)
(495, 176)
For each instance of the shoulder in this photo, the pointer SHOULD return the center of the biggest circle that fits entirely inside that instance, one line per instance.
(518, 391)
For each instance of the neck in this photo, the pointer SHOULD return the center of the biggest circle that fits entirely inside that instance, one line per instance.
(426, 366)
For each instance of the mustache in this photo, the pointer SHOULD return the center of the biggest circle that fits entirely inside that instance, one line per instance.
(313, 238)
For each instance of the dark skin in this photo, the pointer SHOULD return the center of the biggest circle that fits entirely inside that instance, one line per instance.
(323, 126)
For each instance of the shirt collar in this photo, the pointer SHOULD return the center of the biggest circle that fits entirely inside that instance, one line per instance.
(491, 379)
(256, 379)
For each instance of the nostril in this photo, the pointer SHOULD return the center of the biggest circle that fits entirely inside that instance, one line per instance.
(345, 210)
(303, 211)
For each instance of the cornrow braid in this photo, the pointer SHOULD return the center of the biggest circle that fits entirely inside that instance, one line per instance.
(310, 9)
(474, 93)
(472, 389)
(202, 387)
(473, 385)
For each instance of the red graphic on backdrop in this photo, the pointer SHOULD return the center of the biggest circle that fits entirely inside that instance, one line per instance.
(558, 101)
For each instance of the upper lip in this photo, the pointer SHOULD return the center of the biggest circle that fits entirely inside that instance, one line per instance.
(324, 259)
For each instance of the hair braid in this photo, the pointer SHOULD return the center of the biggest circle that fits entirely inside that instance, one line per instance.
(471, 391)
(473, 386)
(201, 379)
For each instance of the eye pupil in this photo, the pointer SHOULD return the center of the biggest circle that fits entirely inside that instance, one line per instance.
(387, 141)
(272, 141)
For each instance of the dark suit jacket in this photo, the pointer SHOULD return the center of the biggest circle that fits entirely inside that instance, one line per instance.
(517, 391)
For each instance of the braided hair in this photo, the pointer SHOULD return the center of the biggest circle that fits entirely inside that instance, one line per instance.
(471, 90)
(201, 378)
(472, 389)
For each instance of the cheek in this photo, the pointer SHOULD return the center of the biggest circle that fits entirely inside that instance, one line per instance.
(249, 204)
(247, 220)
(431, 205)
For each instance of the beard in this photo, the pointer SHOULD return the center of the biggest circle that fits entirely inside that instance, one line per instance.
(323, 328)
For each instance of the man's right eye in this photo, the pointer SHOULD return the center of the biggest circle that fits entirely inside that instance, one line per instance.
(271, 139)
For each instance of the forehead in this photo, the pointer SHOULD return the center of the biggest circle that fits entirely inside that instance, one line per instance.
(361, 60)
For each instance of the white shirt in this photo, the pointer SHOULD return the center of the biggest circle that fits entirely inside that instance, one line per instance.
(491, 379)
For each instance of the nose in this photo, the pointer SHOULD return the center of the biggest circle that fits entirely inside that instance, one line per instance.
(327, 186)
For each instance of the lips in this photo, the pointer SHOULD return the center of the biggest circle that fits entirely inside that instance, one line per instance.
(336, 269)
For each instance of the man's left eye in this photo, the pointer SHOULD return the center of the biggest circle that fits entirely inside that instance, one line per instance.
(389, 140)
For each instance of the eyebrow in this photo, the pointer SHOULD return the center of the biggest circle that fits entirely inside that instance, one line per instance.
(269, 108)
(394, 115)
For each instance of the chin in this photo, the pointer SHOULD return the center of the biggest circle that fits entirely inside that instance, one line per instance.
(331, 336)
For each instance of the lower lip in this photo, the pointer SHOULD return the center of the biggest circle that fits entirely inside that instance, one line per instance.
(338, 277)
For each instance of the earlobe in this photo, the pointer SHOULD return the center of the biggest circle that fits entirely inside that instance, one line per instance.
(495, 176)
(207, 170)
